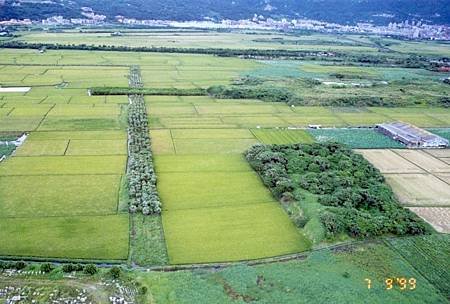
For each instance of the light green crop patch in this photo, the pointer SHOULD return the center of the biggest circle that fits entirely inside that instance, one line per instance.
(86, 135)
(270, 136)
(210, 146)
(201, 163)
(264, 121)
(212, 133)
(82, 123)
(42, 148)
(19, 123)
(83, 237)
(162, 142)
(58, 195)
(166, 110)
(230, 234)
(187, 190)
(84, 110)
(304, 121)
(31, 110)
(43, 165)
(362, 119)
(97, 147)
(248, 109)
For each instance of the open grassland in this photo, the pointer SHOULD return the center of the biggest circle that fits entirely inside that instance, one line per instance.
(85, 237)
(338, 275)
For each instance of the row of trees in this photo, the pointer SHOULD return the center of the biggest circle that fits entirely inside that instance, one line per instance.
(147, 91)
(357, 200)
(141, 175)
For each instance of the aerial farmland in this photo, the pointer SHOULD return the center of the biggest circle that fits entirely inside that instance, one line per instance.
(199, 178)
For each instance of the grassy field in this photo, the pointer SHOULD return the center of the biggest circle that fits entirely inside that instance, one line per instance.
(338, 276)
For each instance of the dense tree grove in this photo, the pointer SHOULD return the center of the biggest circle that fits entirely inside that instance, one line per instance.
(269, 94)
(357, 200)
(141, 175)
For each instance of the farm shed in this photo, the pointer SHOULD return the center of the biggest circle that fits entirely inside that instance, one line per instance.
(412, 136)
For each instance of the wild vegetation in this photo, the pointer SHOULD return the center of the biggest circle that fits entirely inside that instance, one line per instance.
(356, 199)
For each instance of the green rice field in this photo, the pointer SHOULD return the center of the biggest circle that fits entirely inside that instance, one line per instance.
(73, 162)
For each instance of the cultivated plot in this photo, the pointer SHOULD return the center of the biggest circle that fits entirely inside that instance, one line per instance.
(275, 136)
(439, 218)
(388, 161)
(420, 189)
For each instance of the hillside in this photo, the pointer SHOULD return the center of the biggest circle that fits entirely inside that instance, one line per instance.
(338, 11)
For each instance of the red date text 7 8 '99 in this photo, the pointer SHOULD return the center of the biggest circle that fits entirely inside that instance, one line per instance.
(392, 283)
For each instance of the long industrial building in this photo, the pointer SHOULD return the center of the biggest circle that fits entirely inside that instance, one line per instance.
(412, 136)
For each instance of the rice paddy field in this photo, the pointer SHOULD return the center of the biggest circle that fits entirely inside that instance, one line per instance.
(63, 192)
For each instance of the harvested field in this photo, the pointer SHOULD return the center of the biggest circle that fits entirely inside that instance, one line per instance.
(389, 162)
(439, 218)
(444, 176)
(420, 189)
(439, 153)
(424, 161)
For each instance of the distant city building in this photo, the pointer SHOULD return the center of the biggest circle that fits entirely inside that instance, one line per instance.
(412, 136)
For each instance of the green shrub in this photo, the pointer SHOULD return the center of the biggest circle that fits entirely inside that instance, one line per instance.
(115, 272)
(90, 269)
(46, 267)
